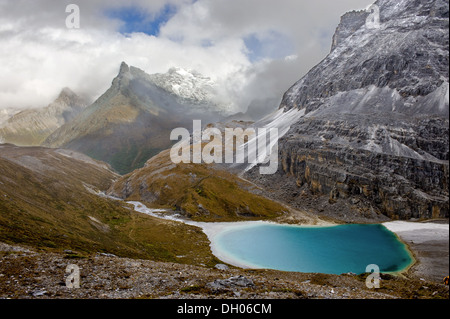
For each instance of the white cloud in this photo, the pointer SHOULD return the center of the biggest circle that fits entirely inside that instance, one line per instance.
(39, 56)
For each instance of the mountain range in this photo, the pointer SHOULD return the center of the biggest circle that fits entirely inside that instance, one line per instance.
(132, 120)
(364, 135)
(128, 124)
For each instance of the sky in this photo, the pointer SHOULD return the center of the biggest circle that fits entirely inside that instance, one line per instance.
(254, 49)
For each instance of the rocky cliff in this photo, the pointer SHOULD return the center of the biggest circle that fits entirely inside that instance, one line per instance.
(373, 129)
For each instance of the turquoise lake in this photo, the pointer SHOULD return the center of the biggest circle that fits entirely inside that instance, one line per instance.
(329, 250)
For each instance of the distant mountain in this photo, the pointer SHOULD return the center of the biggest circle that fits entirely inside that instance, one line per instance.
(192, 88)
(32, 127)
(5, 114)
(132, 120)
(368, 127)
(257, 110)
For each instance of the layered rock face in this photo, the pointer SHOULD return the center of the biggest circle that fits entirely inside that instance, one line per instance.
(376, 110)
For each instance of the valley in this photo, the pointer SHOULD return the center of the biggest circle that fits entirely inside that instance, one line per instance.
(49, 202)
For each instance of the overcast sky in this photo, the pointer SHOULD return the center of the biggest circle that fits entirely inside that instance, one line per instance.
(253, 48)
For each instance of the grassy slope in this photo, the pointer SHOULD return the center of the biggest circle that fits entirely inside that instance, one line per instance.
(44, 204)
(199, 191)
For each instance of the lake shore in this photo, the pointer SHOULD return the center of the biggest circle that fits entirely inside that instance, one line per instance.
(105, 276)
(217, 234)
(428, 241)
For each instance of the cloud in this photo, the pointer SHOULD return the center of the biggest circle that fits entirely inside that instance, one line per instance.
(253, 48)
(270, 44)
(133, 19)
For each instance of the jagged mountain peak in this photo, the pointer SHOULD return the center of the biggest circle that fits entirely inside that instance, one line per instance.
(144, 108)
(123, 77)
(370, 121)
(188, 87)
(67, 92)
(187, 84)
(70, 99)
(126, 74)
(404, 14)
(350, 23)
(188, 73)
(124, 68)
(404, 57)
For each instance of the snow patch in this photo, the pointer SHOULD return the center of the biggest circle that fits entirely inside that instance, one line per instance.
(419, 232)
(280, 120)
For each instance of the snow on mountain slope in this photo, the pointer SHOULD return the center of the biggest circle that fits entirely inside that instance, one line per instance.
(407, 53)
(192, 86)
(376, 109)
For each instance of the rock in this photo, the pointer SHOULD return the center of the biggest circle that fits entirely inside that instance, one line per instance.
(124, 278)
(241, 281)
(106, 255)
(39, 293)
(233, 282)
(221, 267)
(354, 63)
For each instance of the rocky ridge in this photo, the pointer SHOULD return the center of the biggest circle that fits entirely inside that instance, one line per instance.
(31, 127)
(372, 124)
(132, 121)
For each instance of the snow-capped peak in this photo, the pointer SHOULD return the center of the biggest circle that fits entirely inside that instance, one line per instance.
(186, 84)
(192, 86)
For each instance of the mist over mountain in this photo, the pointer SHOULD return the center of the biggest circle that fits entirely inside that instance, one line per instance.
(32, 127)
(5, 114)
(132, 120)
